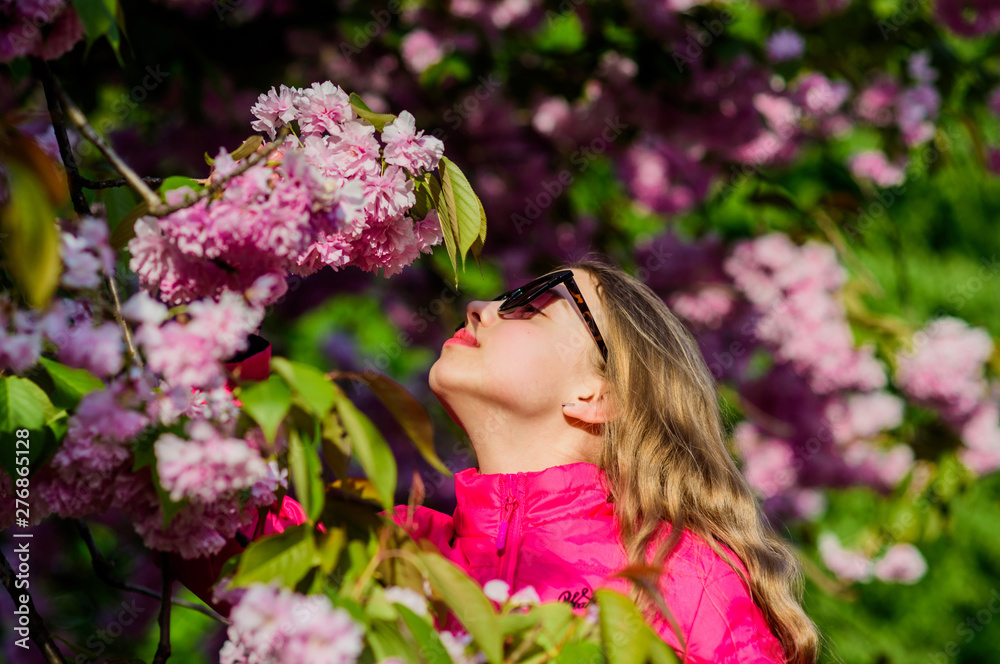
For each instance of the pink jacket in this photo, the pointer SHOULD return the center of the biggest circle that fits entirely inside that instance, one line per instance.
(555, 530)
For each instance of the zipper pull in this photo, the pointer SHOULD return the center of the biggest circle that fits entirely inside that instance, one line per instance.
(508, 508)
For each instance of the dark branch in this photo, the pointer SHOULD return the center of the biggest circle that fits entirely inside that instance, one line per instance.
(118, 182)
(36, 626)
(104, 572)
(44, 74)
(163, 649)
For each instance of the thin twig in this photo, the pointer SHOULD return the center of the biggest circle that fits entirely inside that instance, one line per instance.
(79, 120)
(36, 626)
(126, 332)
(118, 182)
(163, 649)
(162, 210)
(104, 572)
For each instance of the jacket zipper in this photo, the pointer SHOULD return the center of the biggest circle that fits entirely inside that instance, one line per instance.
(508, 535)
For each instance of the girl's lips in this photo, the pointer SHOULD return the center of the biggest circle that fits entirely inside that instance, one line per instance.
(463, 338)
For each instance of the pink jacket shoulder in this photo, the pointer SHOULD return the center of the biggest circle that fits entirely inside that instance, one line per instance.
(713, 606)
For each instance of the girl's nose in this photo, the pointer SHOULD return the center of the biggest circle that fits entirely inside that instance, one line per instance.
(479, 311)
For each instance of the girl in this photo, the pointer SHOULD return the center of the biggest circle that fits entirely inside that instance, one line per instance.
(599, 443)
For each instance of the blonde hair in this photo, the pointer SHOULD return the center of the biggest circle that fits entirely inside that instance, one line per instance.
(665, 457)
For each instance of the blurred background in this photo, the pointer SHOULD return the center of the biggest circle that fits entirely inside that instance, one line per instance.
(813, 187)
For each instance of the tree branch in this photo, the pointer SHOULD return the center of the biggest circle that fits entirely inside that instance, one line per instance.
(162, 210)
(118, 182)
(79, 120)
(104, 572)
(163, 649)
(36, 626)
(42, 71)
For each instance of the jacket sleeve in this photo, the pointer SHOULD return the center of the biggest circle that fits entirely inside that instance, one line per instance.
(713, 608)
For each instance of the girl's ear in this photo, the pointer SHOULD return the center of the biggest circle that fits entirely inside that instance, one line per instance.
(593, 409)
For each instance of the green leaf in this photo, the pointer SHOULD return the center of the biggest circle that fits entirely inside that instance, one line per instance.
(448, 216)
(410, 413)
(370, 449)
(24, 407)
(31, 248)
(468, 215)
(267, 402)
(331, 544)
(71, 384)
(426, 200)
(387, 642)
(659, 651)
(97, 16)
(428, 641)
(555, 618)
(467, 601)
(580, 651)
(380, 120)
(125, 229)
(624, 632)
(118, 203)
(178, 182)
(307, 474)
(310, 383)
(562, 33)
(284, 558)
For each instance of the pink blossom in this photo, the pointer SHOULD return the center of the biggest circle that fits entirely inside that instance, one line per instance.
(663, 178)
(142, 308)
(43, 28)
(862, 416)
(86, 255)
(409, 148)
(354, 152)
(274, 110)
(981, 435)
(388, 195)
(276, 626)
(551, 115)
(945, 368)
(876, 102)
(99, 349)
(768, 462)
(819, 95)
(322, 107)
(872, 166)
(420, 50)
(902, 563)
(206, 466)
(847, 565)
(784, 45)
(428, 232)
(708, 306)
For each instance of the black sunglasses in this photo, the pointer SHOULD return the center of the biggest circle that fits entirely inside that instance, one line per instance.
(518, 297)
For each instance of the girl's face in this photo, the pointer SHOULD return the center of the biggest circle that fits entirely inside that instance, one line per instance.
(525, 361)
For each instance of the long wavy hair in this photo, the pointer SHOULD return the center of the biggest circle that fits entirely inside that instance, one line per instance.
(665, 457)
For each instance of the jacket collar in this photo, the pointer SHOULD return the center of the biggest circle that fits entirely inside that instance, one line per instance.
(572, 490)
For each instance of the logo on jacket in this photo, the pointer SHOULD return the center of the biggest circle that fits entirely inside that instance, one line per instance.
(579, 599)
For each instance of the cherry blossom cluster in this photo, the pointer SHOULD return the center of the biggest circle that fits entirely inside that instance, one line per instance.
(273, 625)
(70, 325)
(901, 563)
(331, 195)
(823, 410)
(944, 371)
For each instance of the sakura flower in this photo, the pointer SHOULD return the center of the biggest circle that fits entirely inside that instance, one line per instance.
(847, 565)
(322, 107)
(409, 148)
(420, 50)
(389, 195)
(206, 466)
(872, 166)
(902, 563)
(274, 110)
